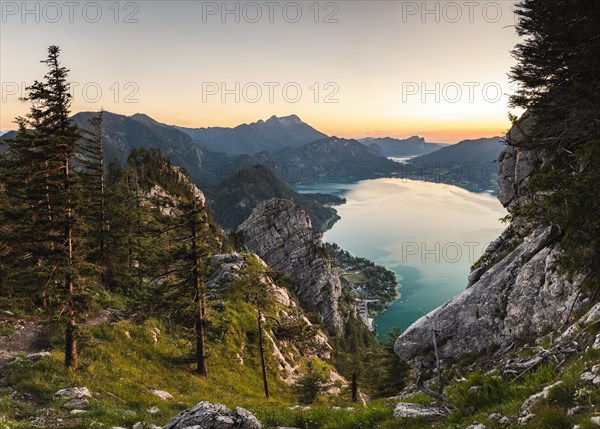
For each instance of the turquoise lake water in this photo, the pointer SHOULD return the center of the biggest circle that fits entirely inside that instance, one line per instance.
(429, 234)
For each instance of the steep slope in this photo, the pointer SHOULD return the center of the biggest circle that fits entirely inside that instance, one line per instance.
(271, 135)
(411, 146)
(233, 200)
(281, 233)
(124, 133)
(469, 161)
(331, 159)
(203, 135)
(516, 294)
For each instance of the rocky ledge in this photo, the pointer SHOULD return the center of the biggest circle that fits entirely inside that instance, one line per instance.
(281, 233)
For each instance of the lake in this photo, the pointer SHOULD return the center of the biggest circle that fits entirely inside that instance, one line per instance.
(429, 234)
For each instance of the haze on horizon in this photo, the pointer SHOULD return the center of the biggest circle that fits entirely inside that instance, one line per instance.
(351, 69)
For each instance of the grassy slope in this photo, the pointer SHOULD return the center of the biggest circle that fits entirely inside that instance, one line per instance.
(120, 369)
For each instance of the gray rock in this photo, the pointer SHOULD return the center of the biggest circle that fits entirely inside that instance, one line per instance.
(77, 412)
(162, 394)
(153, 410)
(281, 234)
(523, 420)
(520, 296)
(516, 164)
(37, 356)
(596, 345)
(587, 376)
(533, 399)
(575, 410)
(74, 393)
(406, 409)
(476, 426)
(76, 404)
(205, 415)
(595, 420)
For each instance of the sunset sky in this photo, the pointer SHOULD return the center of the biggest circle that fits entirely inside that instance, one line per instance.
(390, 68)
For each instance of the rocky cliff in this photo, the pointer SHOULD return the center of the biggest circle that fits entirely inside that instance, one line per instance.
(289, 353)
(515, 293)
(282, 235)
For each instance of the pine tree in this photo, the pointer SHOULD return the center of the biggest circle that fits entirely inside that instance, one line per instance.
(44, 194)
(92, 151)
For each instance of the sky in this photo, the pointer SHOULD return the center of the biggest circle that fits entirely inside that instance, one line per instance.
(437, 69)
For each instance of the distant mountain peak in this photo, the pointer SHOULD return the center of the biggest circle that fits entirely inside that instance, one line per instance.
(284, 120)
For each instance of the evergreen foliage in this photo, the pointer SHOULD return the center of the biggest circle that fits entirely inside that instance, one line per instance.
(558, 73)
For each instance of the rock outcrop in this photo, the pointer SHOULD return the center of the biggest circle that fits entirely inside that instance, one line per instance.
(282, 235)
(229, 268)
(205, 415)
(516, 164)
(515, 292)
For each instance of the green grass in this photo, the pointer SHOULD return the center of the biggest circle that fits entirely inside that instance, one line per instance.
(120, 363)
(6, 330)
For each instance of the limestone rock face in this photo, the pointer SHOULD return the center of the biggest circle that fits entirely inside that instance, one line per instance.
(516, 164)
(520, 297)
(514, 293)
(282, 235)
(228, 268)
(205, 415)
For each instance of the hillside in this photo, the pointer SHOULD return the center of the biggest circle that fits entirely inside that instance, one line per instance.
(274, 134)
(412, 146)
(124, 133)
(233, 200)
(471, 163)
(329, 160)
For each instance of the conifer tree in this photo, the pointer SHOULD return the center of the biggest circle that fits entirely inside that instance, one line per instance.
(44, 194)
(92, 151)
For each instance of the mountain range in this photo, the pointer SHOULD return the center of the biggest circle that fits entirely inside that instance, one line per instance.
(271, 135)
(412, 146)
(293, 150)
(469, 161)
(124, 133)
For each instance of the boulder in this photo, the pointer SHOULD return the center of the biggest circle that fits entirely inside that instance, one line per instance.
(407, 409)
(74, 393)
(205, 415)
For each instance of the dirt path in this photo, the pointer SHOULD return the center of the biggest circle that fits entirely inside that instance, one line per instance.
(29, 336)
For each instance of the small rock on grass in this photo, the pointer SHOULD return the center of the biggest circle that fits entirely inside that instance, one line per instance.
(74, 404)
(162, 394)
(74, 393)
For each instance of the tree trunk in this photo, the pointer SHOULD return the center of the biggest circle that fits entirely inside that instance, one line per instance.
(102, 208)
(71, 360)
(262, 351)
(354, 387)
(199, 297)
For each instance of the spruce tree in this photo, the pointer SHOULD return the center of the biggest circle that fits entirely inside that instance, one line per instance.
(44, 194)
(92, 151)
(558, 74)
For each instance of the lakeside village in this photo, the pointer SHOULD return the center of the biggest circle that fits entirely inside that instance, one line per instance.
(372, 288)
